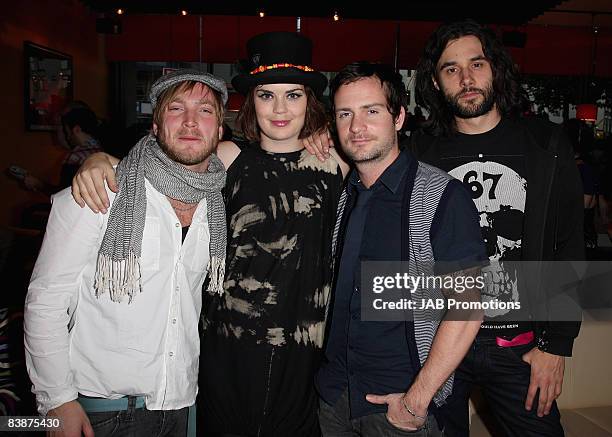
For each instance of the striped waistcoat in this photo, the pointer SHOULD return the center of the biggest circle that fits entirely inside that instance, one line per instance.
(424, 187)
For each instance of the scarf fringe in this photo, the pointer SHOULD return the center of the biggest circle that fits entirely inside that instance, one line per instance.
(216, 270)
(119, 278)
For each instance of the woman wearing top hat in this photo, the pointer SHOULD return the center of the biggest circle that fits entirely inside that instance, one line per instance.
(263, 336)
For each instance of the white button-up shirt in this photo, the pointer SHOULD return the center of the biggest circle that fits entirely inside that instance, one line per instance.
(76, 342)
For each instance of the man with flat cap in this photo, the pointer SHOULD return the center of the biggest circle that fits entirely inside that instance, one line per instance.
(112, 311)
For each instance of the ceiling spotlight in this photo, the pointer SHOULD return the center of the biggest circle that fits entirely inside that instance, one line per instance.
(262, 13)
(119, 11)
(336, 16)
(183, 12)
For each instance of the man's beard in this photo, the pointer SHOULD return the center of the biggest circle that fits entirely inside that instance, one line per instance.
(184, 158)
(378, 152)
(471, 110)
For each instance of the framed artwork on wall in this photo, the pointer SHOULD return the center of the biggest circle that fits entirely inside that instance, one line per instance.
(48, 86)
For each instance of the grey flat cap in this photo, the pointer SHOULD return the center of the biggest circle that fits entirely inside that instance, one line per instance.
(167, 80)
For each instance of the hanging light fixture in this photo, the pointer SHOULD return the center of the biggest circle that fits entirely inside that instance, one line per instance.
(336, 16)
(120, 11)
(183, 12)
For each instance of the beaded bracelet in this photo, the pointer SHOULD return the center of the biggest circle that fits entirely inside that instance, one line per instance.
(412, 413)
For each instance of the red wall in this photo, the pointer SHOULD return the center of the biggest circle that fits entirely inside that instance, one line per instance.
(63, 25)
(549, 49)
(564, 51)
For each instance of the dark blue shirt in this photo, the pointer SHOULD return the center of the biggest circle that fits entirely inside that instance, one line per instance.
(380, 357)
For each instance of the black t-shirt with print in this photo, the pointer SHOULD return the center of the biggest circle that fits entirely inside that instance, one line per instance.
(492, 167)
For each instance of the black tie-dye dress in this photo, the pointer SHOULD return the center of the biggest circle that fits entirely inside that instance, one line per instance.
(262, 339)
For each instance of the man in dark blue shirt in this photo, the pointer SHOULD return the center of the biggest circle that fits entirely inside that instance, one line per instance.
(386, 377)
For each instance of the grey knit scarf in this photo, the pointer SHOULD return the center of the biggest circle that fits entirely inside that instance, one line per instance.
(118, 266)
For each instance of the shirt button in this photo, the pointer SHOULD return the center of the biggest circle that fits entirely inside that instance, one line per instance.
(178, 225)
(174, 321)
(354, 317)
(356, 289)
(171, 354)
(176, 288)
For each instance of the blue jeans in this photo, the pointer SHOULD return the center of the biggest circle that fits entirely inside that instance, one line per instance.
(140, 422)
(335, 421)
(504, 379)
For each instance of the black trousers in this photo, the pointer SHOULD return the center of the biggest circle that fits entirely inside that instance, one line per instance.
(336, 422)
(504, 379)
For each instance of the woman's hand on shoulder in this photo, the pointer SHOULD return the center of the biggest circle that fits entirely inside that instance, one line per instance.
(319, 144)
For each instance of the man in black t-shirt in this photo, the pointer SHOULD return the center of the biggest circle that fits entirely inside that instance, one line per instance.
(527, 190)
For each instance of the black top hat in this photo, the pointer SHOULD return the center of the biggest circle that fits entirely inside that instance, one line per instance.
(279, 57)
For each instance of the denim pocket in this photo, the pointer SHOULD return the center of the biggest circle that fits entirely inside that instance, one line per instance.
(517, 352)
(395, 431)
(104, 423)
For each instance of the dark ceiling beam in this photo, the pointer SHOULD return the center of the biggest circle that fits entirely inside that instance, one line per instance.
(490, 12)
(580, 11)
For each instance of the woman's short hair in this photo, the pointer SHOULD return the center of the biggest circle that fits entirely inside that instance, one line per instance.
(314, 121)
